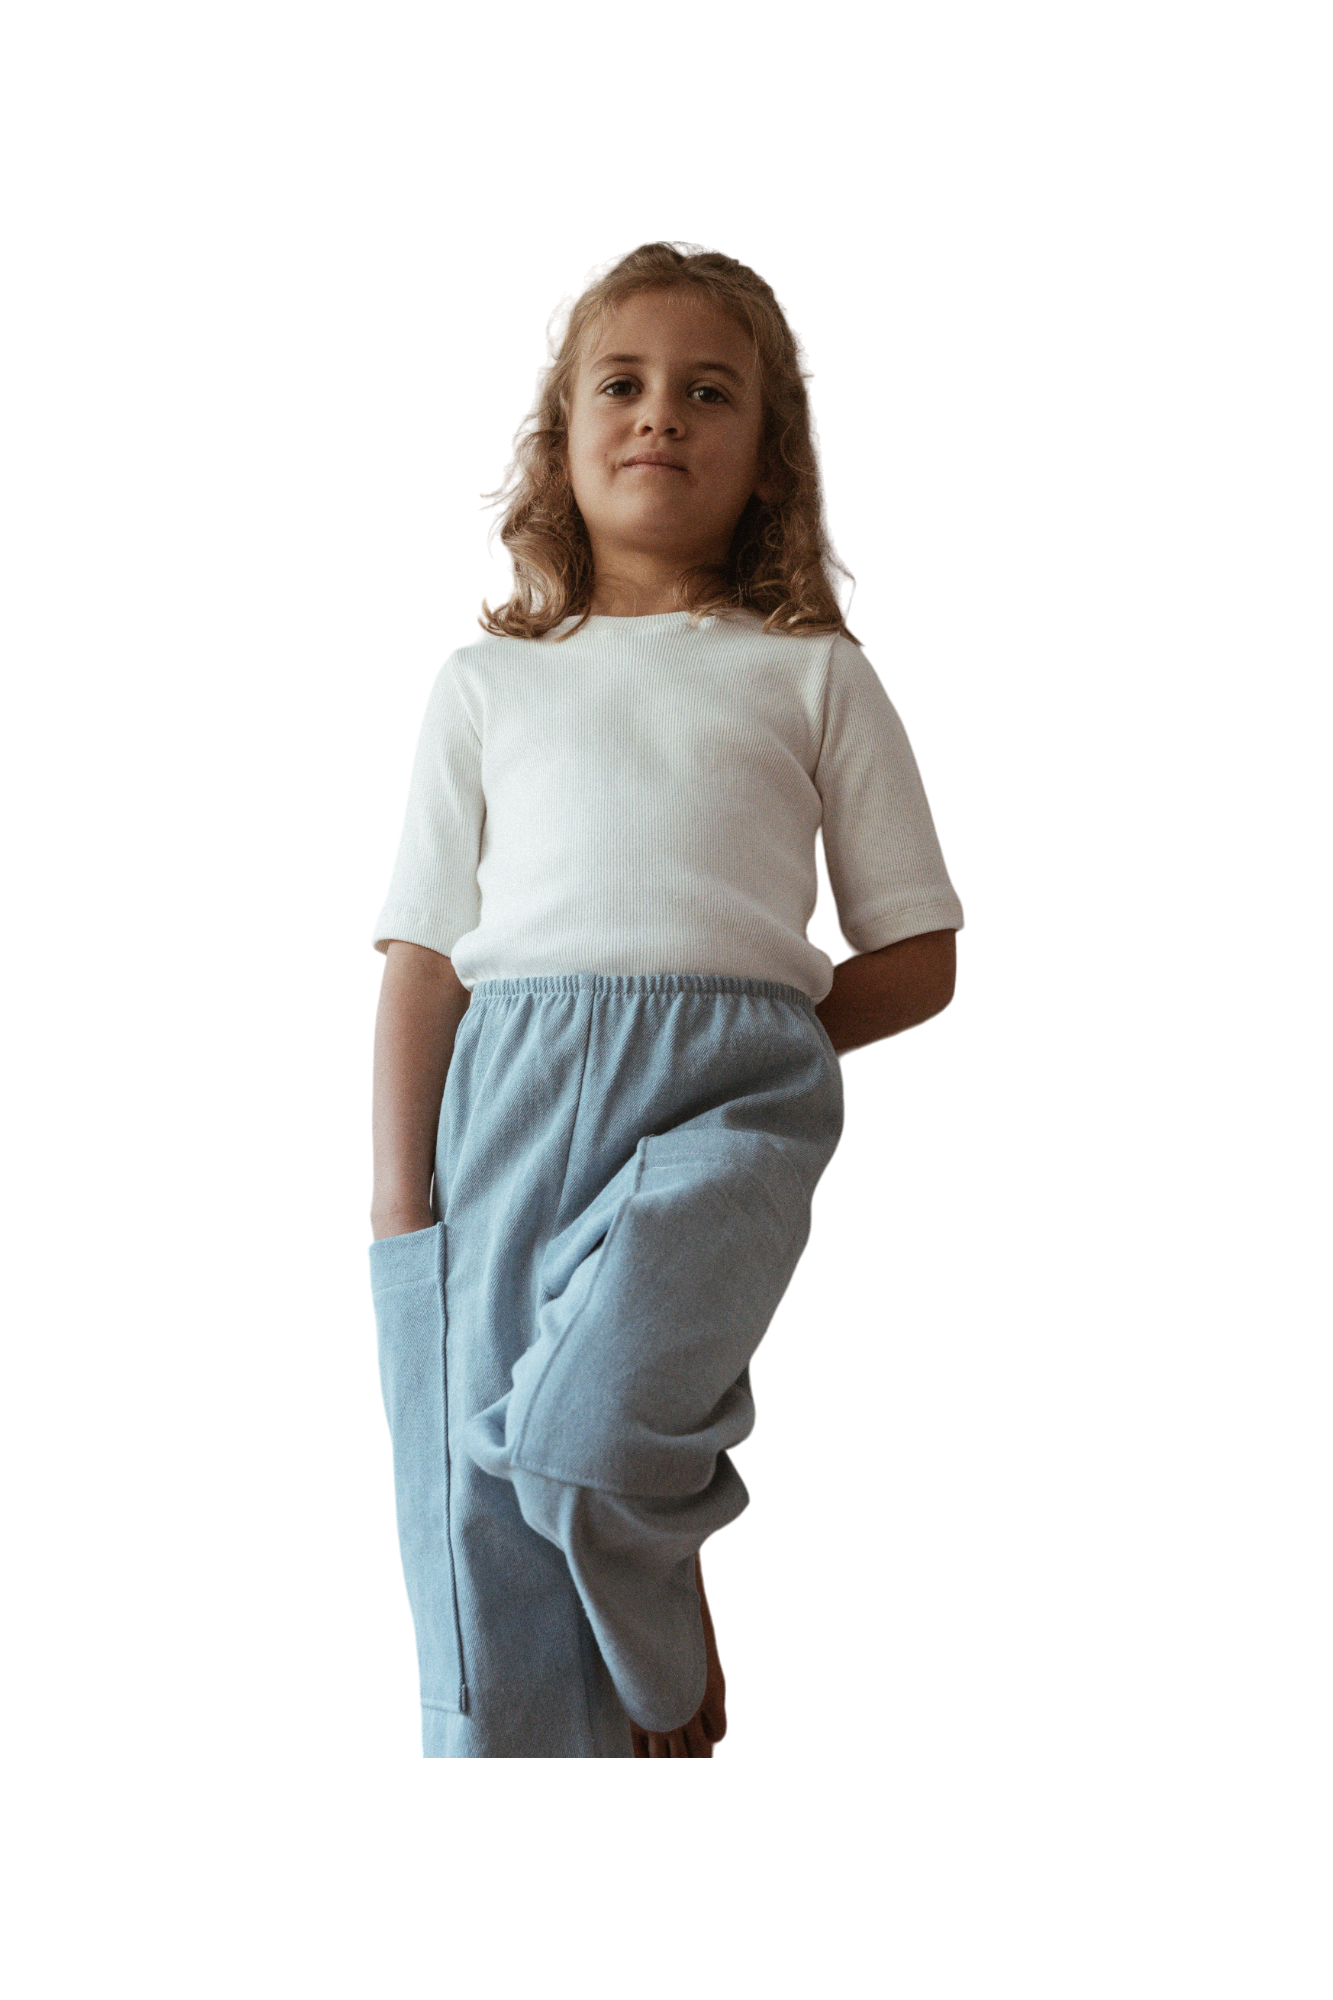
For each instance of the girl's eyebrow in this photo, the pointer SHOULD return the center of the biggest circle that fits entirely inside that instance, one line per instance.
(636, 361)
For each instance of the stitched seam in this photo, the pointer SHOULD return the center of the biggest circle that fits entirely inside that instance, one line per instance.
(541, 1381)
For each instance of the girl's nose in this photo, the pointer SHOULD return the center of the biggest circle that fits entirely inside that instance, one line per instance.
(660, 416)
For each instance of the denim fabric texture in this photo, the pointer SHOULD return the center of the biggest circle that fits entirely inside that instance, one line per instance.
(624, 1174)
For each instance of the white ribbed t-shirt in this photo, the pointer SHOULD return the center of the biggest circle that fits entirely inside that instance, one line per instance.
(644, 796)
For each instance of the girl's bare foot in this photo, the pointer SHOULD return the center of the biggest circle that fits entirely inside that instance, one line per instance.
(709, 1724)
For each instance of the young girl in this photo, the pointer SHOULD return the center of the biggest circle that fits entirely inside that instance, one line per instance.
(602, 1027)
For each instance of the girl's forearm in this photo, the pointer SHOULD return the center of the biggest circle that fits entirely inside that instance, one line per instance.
(421, 1003)
(881, 993)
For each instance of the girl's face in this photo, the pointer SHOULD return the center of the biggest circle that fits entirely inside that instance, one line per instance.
(664, 427)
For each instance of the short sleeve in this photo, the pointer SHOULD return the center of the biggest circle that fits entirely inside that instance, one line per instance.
(433, 894)
(884, 861)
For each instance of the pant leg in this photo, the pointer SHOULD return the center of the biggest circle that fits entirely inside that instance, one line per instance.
(508, 1663)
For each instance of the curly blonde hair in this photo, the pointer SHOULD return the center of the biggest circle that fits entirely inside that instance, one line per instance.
(780, 560)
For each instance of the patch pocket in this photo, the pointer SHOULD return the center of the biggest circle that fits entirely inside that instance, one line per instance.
(407, 1285)
(639, 1377)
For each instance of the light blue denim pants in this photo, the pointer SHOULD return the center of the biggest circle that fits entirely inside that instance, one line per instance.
(624, 1175)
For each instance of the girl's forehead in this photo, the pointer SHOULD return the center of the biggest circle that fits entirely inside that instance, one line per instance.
(721, 343)
(671, 315)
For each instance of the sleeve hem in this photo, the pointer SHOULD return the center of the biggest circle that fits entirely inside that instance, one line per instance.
(400, 927)
(872, 933)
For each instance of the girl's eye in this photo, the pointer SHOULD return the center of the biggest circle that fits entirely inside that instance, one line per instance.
(623, 379)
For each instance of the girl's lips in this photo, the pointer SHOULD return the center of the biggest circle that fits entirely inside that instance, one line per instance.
(653, 464)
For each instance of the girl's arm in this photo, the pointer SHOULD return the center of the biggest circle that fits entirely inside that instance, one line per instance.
(422, 1001)
(882, 992)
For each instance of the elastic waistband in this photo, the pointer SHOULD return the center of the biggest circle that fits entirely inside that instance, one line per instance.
(624, 985)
